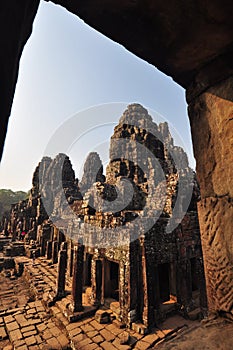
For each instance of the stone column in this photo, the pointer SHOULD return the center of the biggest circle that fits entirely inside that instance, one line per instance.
(144, 282)
(124, 291)
(95, 301)
(130, 285)
(49, 250)
(61, 277)
(148, 312)
(71, 261)
(69, 258)
(211, 118)
(77, 281)
(97, 281)
(103, 281)
(54, 252)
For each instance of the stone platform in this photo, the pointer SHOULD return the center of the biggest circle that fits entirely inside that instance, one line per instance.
(34, 326)
(25, 324)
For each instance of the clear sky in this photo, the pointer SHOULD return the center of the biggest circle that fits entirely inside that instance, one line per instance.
(68, 67)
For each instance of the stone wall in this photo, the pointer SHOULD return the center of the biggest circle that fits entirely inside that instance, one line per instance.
(211, 115)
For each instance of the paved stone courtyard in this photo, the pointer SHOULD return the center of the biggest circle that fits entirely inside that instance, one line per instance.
(29, 325)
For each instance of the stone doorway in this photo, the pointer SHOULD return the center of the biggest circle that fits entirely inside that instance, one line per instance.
(87, 270)
(167, 282)
(164, 287)
(111, 280)
(98, 280)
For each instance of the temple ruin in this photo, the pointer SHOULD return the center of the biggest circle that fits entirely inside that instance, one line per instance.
(96, 230)
(199, 58)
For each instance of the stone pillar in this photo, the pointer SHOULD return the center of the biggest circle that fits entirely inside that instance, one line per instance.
(71, 260)
(131, 286)
(124, 291)
(77, 281)
(49, 250)
(54, 252)
(148, 312)
(184, 284)
(61, 277)
(104, 267)
(39, 234)
(211, 118)
(97, 281)
(144, 282)
(94, 297)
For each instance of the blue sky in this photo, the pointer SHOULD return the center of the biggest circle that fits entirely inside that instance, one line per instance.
(68, 67)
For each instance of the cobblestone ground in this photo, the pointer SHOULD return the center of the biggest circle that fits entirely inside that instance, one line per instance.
(28, 325)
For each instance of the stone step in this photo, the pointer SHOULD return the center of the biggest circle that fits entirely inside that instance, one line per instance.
(195, 314)
(139, 328)
(115, 307)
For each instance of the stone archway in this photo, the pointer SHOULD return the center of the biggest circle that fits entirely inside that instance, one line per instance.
(199, 57)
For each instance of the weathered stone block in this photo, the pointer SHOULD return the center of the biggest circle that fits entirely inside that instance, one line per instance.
(102, 316)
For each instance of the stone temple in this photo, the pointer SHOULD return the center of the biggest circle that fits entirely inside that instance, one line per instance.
(128, 240)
